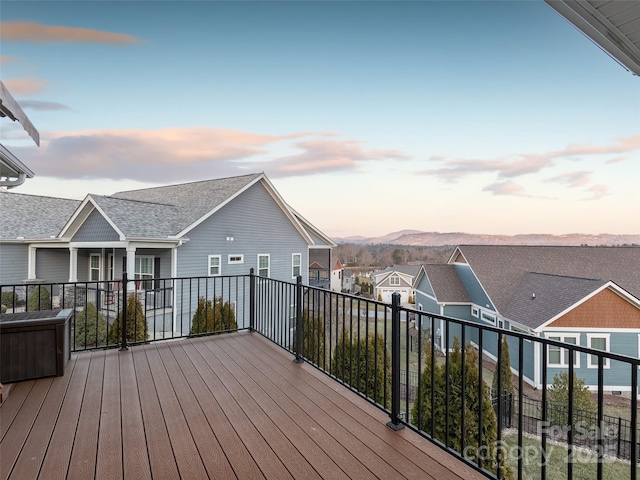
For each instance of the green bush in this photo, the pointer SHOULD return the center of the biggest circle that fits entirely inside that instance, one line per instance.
(137, 329)
(213, 317)
(39, 298)
(558, 400)
(504, 370)
(423, 409)
(313, 338)
(9, 298)
(364, 364)
(91, 327)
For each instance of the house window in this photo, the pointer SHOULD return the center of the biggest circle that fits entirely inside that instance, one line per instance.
(236, 259)
(263, 265)
(296, 261)
(489, 318)
(475, 312)
(597, 341)
(143, 270)
(214, 265)
(558, 356)
(394, 281)
(94, 267)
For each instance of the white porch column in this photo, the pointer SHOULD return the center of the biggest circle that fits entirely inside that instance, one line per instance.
(131, 268)
(174, 292)
(537, 364)
(73, 264)
(31, 263)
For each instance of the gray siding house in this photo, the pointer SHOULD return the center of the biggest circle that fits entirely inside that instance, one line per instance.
(588, 296)
(399, 278)
(204, 229)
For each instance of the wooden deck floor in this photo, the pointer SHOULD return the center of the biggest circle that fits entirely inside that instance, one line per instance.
(229, 406)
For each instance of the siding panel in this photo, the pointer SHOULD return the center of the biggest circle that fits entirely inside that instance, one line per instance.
(96, 229)
(13, 263)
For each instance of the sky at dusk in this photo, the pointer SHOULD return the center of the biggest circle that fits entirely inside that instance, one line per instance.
(368, 117)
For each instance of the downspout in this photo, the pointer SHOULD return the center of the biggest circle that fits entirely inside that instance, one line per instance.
(14, 183)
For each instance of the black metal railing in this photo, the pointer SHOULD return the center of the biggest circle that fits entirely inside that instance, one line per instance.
(429, 373)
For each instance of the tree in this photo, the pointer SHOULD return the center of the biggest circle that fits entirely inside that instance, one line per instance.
(9, 299)
(411, 300)
(91, 327)
(379, 297)
(365, 364)
(213, 317)
(39, 298)
(137, 329)
(558, 400)
(503, 371)
(421, 412)
(313, 338)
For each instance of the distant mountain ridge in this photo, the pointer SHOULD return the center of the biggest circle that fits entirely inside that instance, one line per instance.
(432, 239)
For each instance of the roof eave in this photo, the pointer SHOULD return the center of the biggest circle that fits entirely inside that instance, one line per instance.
(600, 31)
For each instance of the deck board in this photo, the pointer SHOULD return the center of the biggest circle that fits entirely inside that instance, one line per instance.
(227, 406)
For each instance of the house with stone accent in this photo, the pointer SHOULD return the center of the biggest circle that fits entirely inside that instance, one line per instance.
(588, 296)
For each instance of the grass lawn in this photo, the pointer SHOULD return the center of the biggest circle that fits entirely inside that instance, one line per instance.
(584, 464)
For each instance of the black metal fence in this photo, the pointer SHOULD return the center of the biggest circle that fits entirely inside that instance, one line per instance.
(424, 370)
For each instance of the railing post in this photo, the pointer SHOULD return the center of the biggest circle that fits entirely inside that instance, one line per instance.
(123, 319)
(395, 363)
(299, 325)
(252, 300)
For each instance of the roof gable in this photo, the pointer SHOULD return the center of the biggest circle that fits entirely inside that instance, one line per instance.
(501, 269)
(446, 284)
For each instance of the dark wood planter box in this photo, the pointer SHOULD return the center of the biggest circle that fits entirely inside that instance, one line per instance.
(34, 344)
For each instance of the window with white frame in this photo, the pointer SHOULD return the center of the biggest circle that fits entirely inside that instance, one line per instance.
(94, 267)
(296, 262)
(215, 268)
(489, 318)
(263, 265)
(475, 312)
(143, 270)
(597, 341)
(394, 280)
(558, 356)
(233, 259)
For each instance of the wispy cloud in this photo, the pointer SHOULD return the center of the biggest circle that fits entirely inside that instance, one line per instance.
(505, 188)
(323, 155)
(4, 59)
(525, 163)
(597, 192)
(171, 154)
(572, 179)
(25, 86)
(617, 159)
(18, 31)
(42, 105)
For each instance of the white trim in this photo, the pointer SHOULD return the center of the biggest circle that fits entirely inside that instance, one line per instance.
(91, 269)
(477, 309)
(268, 255)
(615, 288)
(562, 363)
(607, 339)
(238, 256)
(209, 258)
(590, 329)
(293, 265)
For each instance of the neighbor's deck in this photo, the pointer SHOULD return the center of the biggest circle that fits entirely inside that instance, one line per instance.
(229, 406)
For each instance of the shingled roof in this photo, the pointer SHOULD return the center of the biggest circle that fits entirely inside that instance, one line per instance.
(539, 297)
(190, 201)
(502, 269)
(446, 283)
(33, 216)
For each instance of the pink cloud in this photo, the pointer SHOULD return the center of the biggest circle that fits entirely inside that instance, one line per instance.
(505, 188)
(5, 59)
(16, 31)
(327, 155)
(25, 86)
(597, 192)
(172, 154)
(572, 179)
(617, 159)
